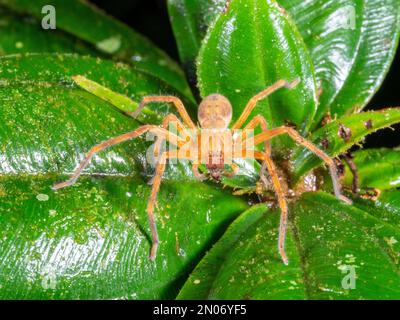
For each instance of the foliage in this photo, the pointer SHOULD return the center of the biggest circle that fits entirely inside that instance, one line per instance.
(92, 240)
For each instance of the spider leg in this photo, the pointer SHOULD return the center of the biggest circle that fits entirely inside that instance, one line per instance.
(256, 121)
(235, 170)
(170, 99)
(269, 134)
(127, 136)
(281, 200)
(262, 95)
(152, 200)
(171, 118)
(262, 122)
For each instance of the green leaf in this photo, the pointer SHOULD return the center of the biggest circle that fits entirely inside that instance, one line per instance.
(109, 36)
(352, 44)
(20, 34)
(339, 135)
(386, 208)
(325, 238)
(251, 46)
(118, 100)
(377, 168)
(350, 55)
(91, 241)
(190, 21)
(57, 122)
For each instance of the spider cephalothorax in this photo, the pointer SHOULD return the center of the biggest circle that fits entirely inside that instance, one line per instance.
(214, 145)
(215, 112)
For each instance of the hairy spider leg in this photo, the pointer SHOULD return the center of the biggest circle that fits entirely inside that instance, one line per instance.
(169, 99)
(269, 134)
(234, 171)
(127, 136)
(268, 164)
(180, 128)
(160, 168)
(262, 95)
(262, 122)
(281, 201)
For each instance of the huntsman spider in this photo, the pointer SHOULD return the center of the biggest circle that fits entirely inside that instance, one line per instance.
(214, 116)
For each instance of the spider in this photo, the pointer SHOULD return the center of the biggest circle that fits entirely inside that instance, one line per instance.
(214, 116)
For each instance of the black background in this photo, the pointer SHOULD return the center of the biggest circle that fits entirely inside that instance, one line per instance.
(150, 17)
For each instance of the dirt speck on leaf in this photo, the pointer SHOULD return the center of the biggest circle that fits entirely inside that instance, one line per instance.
(344, 132)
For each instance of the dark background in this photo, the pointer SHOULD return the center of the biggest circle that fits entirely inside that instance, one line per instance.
(150, 17)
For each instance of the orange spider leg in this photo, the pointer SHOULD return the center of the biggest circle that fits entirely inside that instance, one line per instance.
(309, 145)
(262, 95)
(160, 168)
(171, 118)
(235, 170)
(262, 122)
(256, 121)
(127, 136)
(281, 200)
(169, 99)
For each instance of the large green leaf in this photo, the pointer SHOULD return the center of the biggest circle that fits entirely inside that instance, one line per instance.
(19, 34)
(377, 168)
(386, 208)
(190, 21)
(352, 44)
(326, 238)
(40, 102)
(109, 36)
(92, 241)
(248, 48)
(339, 135)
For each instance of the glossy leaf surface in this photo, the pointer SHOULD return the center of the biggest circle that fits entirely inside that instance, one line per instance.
(352, 44)
(91, 241)
(57, 122)
(252, 45)
(377, 168)
(339, 135)
(20, 34)
(190, 21)
(327, 240)
(108, 36)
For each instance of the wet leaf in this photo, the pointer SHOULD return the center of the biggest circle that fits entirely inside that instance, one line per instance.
(20, 34)
(328, 242)
(91, 241)
(344, 37)
(377, 168)
(248, 48)
(352, 44)
(109, 36)
(386, 208)
(190, 21)
(339, 135)
(57, 122)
